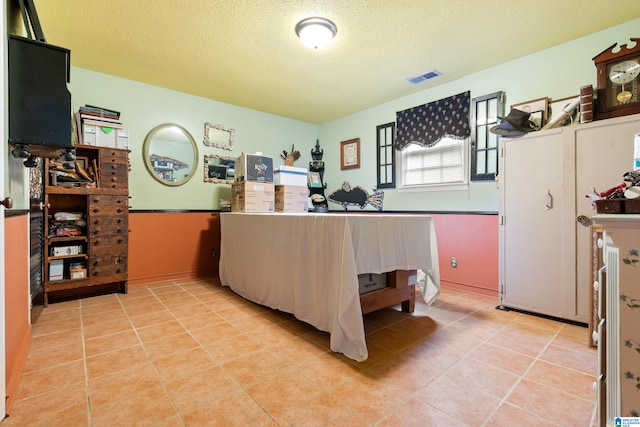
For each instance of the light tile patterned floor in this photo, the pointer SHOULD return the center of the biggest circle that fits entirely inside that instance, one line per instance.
(192, 353)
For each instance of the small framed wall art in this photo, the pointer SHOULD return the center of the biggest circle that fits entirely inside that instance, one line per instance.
(218, 136)
(314, 180)
(350, 154)
(219, 169)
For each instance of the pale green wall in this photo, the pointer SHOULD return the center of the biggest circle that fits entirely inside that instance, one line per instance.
(144, 106)
(557, 72)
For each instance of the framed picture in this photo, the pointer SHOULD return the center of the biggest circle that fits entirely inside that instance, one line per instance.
(556, 106)
(218, 172)
(537, 108)
(83, 168)
(314, 180)
(350, 154)
(83, 162)
(218, 136)
(219, 169)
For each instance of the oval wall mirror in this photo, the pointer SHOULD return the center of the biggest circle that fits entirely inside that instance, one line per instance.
(170, 154)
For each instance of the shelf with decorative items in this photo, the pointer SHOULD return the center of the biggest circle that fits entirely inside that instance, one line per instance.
(316, 179)
(86, 216)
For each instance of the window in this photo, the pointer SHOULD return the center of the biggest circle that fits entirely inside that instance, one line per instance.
(484, 144)
(444, 163)
(433, 139)
(386, 155)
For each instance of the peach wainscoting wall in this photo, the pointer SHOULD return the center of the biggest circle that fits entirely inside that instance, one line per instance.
(16, 294)
(172, 245)
(177, 245)
(473, 240)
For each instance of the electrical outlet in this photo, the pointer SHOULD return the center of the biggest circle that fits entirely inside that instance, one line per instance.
(454, 262)
(213, 253)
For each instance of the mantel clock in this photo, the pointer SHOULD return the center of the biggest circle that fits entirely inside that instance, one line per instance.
(618, 81)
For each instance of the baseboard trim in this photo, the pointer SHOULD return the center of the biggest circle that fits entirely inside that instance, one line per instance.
(138, 281)
(544, 316)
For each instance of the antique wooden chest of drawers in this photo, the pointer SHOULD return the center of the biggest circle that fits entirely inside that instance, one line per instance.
(90, 216)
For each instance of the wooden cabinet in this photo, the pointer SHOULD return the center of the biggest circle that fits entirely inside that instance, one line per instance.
(545, 241)
(86, 243)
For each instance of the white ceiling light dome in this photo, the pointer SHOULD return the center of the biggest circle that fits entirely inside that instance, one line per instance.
(316, 33)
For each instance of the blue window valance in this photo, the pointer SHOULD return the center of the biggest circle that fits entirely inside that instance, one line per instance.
(427, 124)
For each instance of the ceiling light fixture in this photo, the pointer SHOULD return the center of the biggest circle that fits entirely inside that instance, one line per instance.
(316, 33)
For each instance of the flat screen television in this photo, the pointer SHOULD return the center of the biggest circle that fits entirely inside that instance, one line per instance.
(39, 99)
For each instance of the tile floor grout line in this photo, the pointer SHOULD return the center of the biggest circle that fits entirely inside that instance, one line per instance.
(86, 369)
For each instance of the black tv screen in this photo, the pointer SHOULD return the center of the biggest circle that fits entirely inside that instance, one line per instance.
(39, 100)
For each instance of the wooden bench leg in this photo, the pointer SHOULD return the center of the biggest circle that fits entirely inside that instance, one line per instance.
(386, 297)
(409, 305)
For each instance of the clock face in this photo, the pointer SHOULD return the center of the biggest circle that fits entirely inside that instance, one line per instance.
(622, 87)
(624, 72)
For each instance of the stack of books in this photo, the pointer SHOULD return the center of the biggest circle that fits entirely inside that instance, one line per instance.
(97, 116)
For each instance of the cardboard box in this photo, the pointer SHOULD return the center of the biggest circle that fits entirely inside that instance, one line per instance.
(256, 197)
(254, 167)
(105, 136)
(292, 198)
(369, 282)
(78, 273)
(66, 250)
(289, 175)
(56, 269)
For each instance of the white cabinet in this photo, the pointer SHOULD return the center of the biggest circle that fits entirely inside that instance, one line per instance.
(544, 177)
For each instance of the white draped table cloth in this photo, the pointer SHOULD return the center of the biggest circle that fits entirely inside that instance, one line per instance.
(308, 264)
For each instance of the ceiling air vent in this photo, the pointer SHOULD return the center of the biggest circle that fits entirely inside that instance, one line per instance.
(424, 77)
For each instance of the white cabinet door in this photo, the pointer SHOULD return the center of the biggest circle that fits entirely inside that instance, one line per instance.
(537, 250)
(604, 152)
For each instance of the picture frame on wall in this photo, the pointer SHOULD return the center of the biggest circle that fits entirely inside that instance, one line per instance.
(219, 169)
(537, 108)
(350, 154)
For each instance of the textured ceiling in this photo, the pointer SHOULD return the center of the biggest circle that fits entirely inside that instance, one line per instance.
(245, 52)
